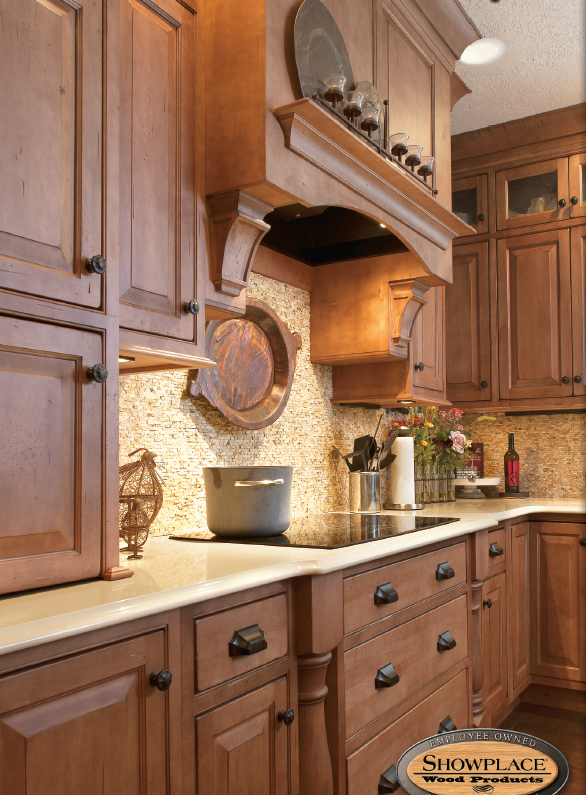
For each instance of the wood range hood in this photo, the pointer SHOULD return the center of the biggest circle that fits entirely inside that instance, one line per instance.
(280, 155)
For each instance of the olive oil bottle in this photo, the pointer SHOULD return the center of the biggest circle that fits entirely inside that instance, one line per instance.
(511, 467)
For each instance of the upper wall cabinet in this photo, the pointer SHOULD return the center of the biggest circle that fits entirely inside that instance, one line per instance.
(470, 201)
(533, 194)
(51, 149)
(578, 185)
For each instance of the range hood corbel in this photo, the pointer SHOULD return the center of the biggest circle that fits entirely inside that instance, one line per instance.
(405, 301)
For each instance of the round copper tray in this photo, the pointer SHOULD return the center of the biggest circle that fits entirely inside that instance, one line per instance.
(255, 357)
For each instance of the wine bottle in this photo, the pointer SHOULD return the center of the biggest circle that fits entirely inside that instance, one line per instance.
(511, 466)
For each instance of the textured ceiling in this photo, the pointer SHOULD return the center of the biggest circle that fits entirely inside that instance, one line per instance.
(542, 69)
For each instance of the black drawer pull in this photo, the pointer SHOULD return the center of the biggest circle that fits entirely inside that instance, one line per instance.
(385, 594)
(386, 677)
(286, 717)
(495, 550)
(447, 725)
(249, 640)
(388, 781)
(446, 641)
(444, 571)
(161, 679)
(487, 603)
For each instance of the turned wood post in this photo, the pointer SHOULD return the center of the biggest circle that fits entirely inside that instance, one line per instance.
(477, 662)
(319, 629)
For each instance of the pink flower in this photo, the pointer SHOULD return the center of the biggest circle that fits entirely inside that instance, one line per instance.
(459, 441)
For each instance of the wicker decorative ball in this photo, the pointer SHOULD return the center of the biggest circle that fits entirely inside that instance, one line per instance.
(140, 498)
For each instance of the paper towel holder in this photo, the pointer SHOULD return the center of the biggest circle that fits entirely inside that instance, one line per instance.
(404, 430)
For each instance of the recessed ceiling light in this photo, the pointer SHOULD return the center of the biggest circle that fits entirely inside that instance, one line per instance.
(483, 51)
(406, 402)
(122, 358)
(383, 226)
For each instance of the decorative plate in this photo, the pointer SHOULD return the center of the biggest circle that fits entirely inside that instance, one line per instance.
(371, 95)
(320, 50)
(255, 357)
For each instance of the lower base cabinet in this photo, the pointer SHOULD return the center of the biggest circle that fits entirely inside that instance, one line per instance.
(244, 747)
(90, 724)
(494, 641)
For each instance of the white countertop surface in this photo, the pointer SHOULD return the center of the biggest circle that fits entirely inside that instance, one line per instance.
(173, 574)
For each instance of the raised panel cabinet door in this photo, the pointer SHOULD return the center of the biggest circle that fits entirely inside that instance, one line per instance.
(157, 167)
(468, 343)
(578, 185)
(494, 641)
(558, 600)
(470, 201)
(428, 343)
(578, 244)
(90, 724)
(51, 148)
(519, 600)
(52, 453)
(531, 194)
(535, 316)
(243, 748)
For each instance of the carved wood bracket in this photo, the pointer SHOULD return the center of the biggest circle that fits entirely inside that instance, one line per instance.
(236, 229)
(405, 300)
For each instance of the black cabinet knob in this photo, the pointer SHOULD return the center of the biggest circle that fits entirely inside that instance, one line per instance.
(487, 603)
(566, 380)
(444, 571)
(386, 677)
(562, 202)
(420, 367)
(388, 781)
(161, 679)
(481, 217)
(385, 594)
(577, 378)
(583, 542)
(495, 550)
(97, 373)
(447, 725)
(191, 307)
(446, 641)
(286, 717)
(96, 264)
(484, 384)
(574, 200)
(249, 640)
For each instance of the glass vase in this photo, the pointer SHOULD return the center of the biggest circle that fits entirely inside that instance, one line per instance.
(431, 479)
(442, 484)
(419, 483)
(451, 486)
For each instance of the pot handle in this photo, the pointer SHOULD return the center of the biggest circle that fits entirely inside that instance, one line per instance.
(278, 482)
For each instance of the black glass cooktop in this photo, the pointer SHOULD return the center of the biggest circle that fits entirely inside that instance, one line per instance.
(331, 530)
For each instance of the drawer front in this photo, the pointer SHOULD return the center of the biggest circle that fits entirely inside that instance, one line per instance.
(213, 662)
(496, 543)
(365, 766)
(412, 649)
(413, 580)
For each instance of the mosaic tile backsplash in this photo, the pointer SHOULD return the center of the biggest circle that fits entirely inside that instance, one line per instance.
(187, 434)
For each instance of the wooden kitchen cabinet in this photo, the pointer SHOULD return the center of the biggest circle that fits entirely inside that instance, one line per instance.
(530, 194)
(470, 201)
(244, 747)
(468, 326)
(578, 265)
(519, 613)
(578, 185)
(87, 723)
(535, 316)
(428, 345)
(558, 601)
(494, 641)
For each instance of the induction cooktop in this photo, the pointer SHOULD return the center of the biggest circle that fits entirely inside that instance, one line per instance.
(331, 530)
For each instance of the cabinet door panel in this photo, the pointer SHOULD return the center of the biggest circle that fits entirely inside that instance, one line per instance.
(157, 167)
(558, 599)
(428, 343)
(90, 724)
(51, 148)
(494, 645)
(578, 243)
(243, 748)
(578, 184)
(529, 195)
(470, 201)
(468, 325)
(520, 604)
(51, 437)
(535, 334)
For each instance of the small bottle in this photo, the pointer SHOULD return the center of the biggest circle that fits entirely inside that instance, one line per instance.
(511, 466)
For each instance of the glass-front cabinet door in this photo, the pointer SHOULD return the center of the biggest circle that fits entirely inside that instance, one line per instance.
(534, 194)
(577, 185)
(470, 201)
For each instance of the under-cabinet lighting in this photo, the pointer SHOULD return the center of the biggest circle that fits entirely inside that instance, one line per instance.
(126, 359)
(406, 402)
(483, 51)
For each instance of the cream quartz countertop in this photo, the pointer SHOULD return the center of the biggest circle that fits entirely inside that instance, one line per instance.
(173, 574)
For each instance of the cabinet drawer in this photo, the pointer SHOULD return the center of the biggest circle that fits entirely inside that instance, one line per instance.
(413, 580)
(496, 547)
(412, 649)
(365, 766)
(214, 663)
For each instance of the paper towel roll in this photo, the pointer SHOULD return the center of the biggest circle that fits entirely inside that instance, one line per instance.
(402, 472)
